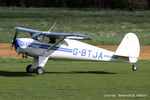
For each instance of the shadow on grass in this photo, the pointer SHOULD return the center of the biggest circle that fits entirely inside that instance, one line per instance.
(15, 74)
(81, 72)
(24, 74)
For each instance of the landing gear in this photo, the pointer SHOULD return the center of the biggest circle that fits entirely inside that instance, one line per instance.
(30, 69)
(37, 61)
(40, 70)
(134, 68)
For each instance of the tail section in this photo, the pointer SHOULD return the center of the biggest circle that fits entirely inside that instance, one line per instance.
(129, 48)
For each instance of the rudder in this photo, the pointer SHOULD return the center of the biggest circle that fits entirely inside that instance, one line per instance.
(129, 47)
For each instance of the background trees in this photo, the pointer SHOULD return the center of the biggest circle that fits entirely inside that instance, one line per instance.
(112, 4)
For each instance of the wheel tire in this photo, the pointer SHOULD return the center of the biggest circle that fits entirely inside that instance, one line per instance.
(134, 68)
(40, 71)
(30, 69)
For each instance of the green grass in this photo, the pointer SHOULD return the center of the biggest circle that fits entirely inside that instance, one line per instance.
(107, 27)
(73, 81)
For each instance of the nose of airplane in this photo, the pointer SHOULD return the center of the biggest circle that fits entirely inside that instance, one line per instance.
(16, 43)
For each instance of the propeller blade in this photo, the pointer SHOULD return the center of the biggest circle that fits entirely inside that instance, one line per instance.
(14, 40)
(15, 37)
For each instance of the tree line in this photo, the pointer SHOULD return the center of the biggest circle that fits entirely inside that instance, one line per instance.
(113, 4)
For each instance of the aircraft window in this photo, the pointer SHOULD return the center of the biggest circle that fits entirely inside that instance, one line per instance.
(64, 43)
(46, 39)
(52, 40)
(38, 38)
(49, 40)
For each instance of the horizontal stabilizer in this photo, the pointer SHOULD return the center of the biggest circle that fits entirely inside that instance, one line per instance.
(121, 57)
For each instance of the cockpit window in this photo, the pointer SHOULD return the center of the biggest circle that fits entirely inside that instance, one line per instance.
(64, 43)
(52, 40)
(46, 39)
(39, 37)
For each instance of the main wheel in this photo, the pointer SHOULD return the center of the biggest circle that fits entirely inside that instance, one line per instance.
(40, 70)
(134, 68)
(30, 69)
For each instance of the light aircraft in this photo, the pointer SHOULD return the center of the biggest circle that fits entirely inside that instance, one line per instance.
(44, 46)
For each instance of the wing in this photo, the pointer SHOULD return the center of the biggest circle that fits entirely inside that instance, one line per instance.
(54, 35)
(71, 36)
(27, 30)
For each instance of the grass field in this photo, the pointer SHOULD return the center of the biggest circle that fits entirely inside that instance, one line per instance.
(74, 81)
(107, 27)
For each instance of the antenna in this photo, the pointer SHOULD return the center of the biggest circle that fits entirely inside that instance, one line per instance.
(52, 27)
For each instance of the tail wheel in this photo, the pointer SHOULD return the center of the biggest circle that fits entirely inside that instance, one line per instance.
(30, 69)
(40, 70)
(134, 68)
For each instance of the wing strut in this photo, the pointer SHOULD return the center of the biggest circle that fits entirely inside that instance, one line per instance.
(52, 27)
(54, 45)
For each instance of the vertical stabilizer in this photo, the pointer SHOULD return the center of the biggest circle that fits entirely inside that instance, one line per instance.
(129, 47)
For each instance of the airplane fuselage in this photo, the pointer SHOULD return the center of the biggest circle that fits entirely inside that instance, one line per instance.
(66, 50)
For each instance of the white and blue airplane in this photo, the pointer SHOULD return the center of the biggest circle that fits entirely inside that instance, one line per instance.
(44, 46)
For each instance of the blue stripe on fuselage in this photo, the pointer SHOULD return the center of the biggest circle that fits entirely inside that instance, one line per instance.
(42, 46)
(55, 48)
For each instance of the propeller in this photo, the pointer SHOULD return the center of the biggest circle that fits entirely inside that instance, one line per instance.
(14, 39)
(13, 42)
